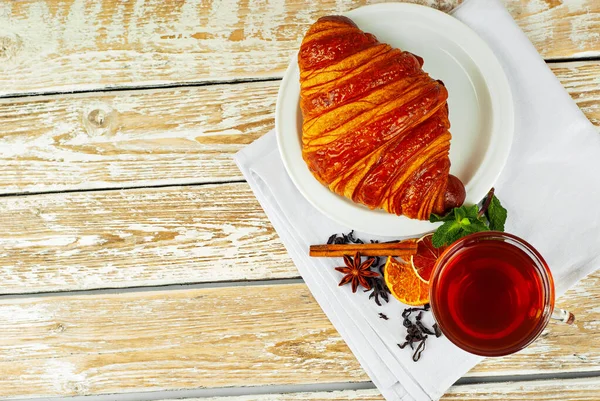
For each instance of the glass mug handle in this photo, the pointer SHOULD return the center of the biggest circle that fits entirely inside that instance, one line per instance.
(562, 315)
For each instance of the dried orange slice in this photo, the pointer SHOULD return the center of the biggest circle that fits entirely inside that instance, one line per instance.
(424, 260)
(404, 283)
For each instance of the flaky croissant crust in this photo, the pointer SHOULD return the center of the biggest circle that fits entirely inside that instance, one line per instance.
(375, 124)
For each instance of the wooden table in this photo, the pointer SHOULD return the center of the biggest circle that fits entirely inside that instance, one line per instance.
(135, 258)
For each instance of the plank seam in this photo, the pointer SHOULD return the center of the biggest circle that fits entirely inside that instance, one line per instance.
(213, 392)
(120, 188)
(125, 88)
(151, 288)
(470, 380)
(571, 59)
(294, 388)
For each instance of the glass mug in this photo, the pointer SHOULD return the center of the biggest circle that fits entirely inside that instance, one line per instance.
(492, 294)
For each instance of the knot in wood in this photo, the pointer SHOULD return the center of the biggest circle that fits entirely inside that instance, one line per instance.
(78, 388)
(97, 118)
(10, 45)
(58, 328)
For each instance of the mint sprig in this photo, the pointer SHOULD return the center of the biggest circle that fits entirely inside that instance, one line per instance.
(465, 220)
(496, 214)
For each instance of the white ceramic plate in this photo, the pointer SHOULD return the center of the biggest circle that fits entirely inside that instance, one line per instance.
(480, 103)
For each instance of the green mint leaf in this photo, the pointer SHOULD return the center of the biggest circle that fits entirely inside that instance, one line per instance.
(460, 213)
(455, 235)
(496, 215)
(434, 218)
(452, 231)
(465, 220)
(472, 212)
(475, 227)
(445, 232)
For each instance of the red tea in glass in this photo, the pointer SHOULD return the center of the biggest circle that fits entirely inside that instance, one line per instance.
(491, 293)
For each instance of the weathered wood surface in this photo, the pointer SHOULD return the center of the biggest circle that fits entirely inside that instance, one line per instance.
(168, 136)
(220, 337)
(76, 241)
(116, 139)
(72, 45)
(559, 390)
(582, 81)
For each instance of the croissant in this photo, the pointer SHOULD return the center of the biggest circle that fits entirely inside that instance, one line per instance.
(375, 125)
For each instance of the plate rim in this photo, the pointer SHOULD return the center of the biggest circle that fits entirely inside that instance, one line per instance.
(501, 104)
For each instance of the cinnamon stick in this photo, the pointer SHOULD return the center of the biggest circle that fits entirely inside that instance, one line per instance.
(402, 248)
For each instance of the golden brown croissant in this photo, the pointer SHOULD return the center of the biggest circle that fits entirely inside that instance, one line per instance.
(375, 124)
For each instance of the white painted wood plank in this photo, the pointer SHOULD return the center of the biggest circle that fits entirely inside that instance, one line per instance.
(156, 236)
(78, 45)
(139, 138)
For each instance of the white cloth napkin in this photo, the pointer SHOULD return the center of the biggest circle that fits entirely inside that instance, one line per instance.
(549, 187)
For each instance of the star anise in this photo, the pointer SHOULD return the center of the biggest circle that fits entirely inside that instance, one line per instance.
(357, 272)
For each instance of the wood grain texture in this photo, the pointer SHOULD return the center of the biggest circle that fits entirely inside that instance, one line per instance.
(559, 390)
(582, 81)
(221, 337)
(117, 139)
(218, 337)
(89, 240)
(71, 45)
(560, 29)
(168, 136)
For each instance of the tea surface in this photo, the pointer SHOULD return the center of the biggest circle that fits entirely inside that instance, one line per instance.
(489, 296)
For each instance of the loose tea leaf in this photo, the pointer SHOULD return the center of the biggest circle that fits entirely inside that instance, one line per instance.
(331, 239)
(416, 332)
(419, 350)
(379, 289)
(436, 329)
(424, 329)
